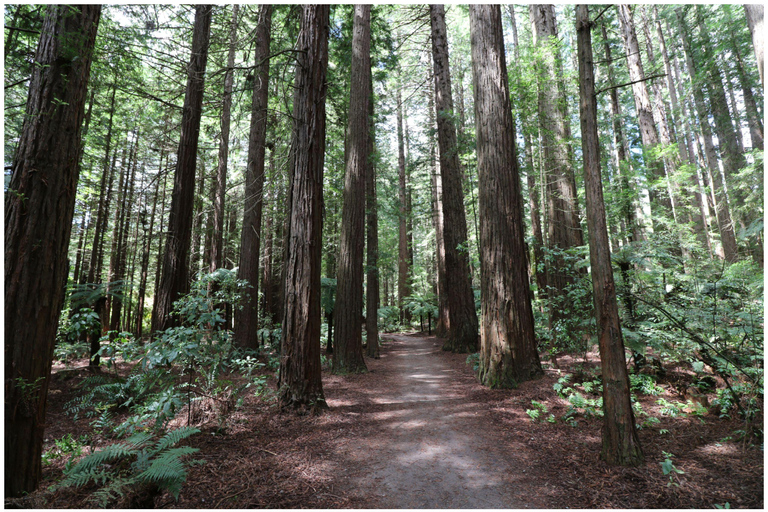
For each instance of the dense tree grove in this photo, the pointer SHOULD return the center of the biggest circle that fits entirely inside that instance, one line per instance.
(529, 181)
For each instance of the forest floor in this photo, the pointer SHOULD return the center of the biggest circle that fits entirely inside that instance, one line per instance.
(419, 431)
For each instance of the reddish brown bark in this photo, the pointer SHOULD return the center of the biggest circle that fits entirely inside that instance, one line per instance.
(39, 207)
(247, 319)
(217, 235)
(463, 335)
(507, 341)
(620, 442)
(299, 380)
(348, 310)
(174, 281)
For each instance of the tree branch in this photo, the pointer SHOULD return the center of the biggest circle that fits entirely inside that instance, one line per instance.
(658, 75)
(601, 13)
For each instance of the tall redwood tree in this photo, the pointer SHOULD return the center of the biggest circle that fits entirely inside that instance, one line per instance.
(348, 310)
(462, 336)
(174, 281)
(620, 442)
(507, 341)
(246, 324)
(299, 380)
(39, 206)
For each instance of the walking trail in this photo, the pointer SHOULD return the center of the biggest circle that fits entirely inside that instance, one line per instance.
(428, 442)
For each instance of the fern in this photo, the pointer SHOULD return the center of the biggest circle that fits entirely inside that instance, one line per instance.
(157, 462)
(174, 437)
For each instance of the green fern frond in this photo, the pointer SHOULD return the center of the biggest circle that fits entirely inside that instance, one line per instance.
(139, 440)
(107, 454)
(79, 479)
(112, 491)
(174, 436)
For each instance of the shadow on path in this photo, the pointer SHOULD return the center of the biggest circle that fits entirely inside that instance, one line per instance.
(423, 441)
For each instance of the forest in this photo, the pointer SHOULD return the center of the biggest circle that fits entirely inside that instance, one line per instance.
(384, 256)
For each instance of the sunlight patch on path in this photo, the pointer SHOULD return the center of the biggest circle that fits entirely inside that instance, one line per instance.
(429, 451)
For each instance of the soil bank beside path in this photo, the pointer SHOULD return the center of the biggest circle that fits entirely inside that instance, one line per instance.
(425, 439)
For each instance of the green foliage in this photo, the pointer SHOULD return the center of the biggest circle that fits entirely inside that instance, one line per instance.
(539, 411)
(389, 318)
(669, 469)
(644, 384)
(710, 317)
(327, 294)
(421, 305)
(66, 446)
(576, 325)
(141, 459)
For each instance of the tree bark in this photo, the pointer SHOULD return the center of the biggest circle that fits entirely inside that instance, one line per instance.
(144, 270)
(348, 310)
(403, 272)
(299, 380)
(217, 237)
(754, 14)
(443, 322)
(620, 442)
(174, 281)
(722, 210)
(645, 119)
(733, 159)
(39, 206)
(564, 231)
(623, 164)
(462, 336)
(507, 341)
(538, 267)
(247, 319)
(372, 240)
(101, 213)
(754, 119)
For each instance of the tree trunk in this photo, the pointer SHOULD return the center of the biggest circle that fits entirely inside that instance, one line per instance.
(666, 132)
(722, 210)
(247, 319)
(144, 271)
(564, 231)
(174, 281)
(102, 212)
(217, 237)
(733, 159)
(161, 231)
(620, 442)
(197, 220)
(443, 323)
(462, 336)
(348, 310)
(299, 380)
(403, 273)
(372, 240)
(538, 267)
(754, 119)
(507, 341)
(122, 225)
(754, 14)
(39, 206)
(634, 231)
(266, 266)
(645, 119)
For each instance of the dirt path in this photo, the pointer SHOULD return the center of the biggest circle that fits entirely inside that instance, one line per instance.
(427, 442)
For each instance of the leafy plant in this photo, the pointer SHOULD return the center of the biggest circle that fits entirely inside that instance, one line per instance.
(669, 469)
(67, 445)
(140, 460)
(644, 384)
(539, 411)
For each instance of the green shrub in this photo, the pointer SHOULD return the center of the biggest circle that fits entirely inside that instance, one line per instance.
(141, 459)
